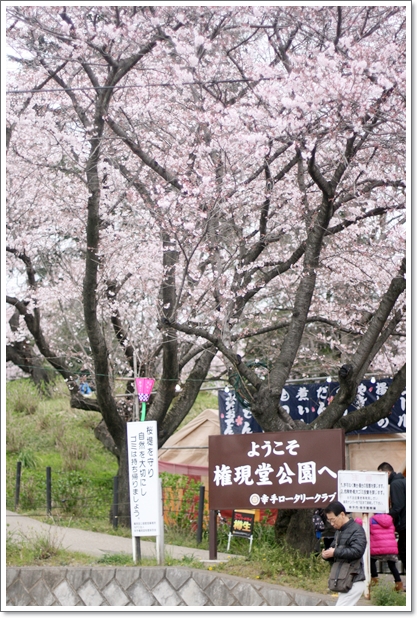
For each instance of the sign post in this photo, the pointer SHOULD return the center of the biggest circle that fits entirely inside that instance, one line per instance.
(364, 492)
(366, 556)
(144, 484)
(160, 537)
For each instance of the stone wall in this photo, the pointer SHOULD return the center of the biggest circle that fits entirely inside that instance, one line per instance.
(146, 586)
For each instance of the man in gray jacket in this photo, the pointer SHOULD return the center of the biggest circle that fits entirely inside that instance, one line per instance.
(349, 544)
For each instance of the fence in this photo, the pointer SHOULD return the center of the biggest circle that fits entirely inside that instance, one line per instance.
(184, 500)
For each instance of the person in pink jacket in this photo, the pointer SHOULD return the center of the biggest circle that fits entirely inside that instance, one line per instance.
(383, 546)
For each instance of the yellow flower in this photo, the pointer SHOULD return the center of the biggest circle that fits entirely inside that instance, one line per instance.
(210, 568)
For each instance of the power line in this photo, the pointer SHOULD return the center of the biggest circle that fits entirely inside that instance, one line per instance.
(162, 84)
(79, 372)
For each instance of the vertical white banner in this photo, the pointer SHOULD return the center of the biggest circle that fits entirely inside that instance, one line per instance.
(143, 478)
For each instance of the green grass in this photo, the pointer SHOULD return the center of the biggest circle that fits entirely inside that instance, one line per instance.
(45, 432)
(205, 400)
(46, 550)
(384, 594)
(40, 550)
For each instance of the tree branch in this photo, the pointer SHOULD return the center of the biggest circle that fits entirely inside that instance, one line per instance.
(376, 324)
(235, 359)
(145, 158)
(377, 410)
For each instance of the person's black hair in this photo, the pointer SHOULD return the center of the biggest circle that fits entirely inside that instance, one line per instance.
(385, 467)
(335, 507)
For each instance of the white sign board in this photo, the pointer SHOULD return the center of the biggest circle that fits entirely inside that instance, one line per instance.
(143, 478)
(363, 492)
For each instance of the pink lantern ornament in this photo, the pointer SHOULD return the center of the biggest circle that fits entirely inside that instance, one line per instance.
(144, 389)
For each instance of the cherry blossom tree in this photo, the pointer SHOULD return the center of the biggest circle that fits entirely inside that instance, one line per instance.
(227, 180)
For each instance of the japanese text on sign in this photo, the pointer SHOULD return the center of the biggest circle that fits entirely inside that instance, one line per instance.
(363, 492)
(143, 477)
(242, 523)
(283, 470)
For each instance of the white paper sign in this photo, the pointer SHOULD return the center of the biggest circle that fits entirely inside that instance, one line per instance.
(363, 492)
(143, 478)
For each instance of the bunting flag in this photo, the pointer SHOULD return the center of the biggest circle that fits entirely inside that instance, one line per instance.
(305, 402)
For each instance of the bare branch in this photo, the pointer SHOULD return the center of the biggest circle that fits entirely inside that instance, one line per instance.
(145, 158)
(377, 410)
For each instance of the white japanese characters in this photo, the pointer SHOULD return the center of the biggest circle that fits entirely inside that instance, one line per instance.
(306, 402)
(143, 477)
(294, 469)
(263, 474)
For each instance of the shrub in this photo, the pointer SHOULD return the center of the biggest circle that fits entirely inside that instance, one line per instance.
(26, 405)
(22, 397)
(73, 452)
(45, 545)
(72, 494)
(181, 501)
(44, 421)
(384, 594)
(74, 455)
(27, 458)
(36, 547)
(33, 491)
(15, 441)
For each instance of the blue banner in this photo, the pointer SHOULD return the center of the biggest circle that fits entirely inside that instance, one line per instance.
(305, 402)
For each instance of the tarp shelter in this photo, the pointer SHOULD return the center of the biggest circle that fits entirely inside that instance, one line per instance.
(177, 456)
(366, 452)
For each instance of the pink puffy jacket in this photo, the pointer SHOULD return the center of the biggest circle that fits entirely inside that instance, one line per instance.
(382, 534)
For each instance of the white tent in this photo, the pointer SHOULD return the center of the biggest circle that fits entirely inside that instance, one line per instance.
(186, 451)
(367, 451)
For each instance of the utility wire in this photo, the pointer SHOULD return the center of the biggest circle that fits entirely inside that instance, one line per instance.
(157, 85)
(115, 377)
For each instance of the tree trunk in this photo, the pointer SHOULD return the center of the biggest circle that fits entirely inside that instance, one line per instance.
(295, 527)
(124, 511)
(101, 432)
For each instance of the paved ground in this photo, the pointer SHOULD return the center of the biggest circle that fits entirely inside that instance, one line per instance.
(98, 544)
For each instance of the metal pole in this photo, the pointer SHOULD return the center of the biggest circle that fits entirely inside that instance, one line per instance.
(160, 537)
(17, 490)
(213, 535)
(48, 490)
(115, 510)
(136, 400)
(136, 541)
(366, 556)
(136, 549)
(200, 513)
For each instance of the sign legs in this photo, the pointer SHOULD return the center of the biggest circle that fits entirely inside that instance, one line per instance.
(213, 535)
(136, 549)
(366, 556)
